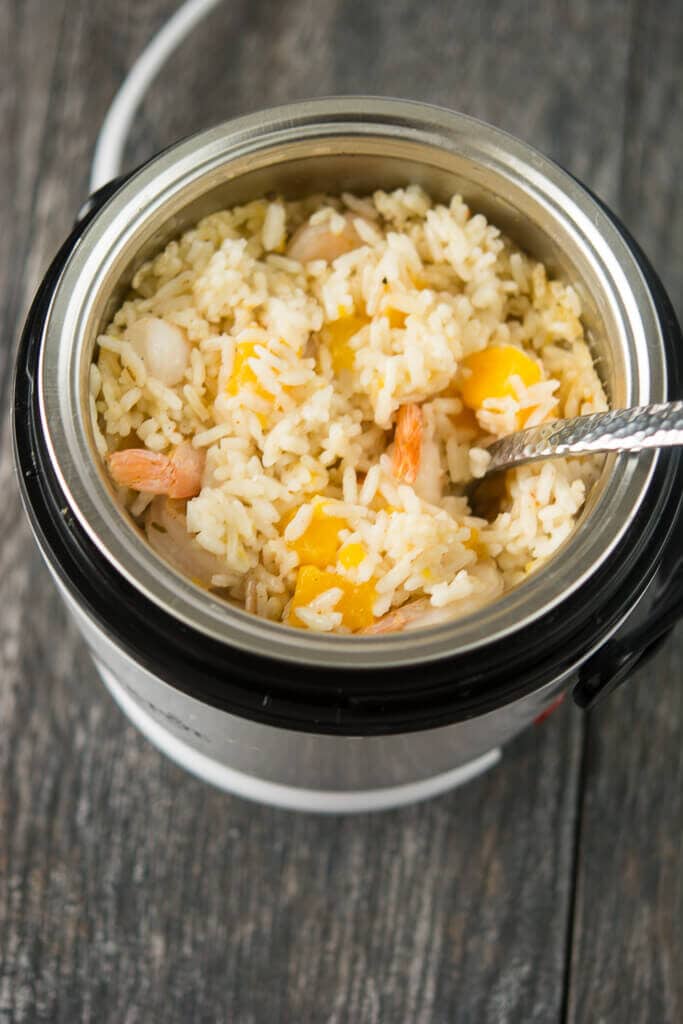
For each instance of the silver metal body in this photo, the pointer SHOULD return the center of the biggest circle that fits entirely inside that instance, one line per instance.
(622, 430)
(306, 771)
(358, 144)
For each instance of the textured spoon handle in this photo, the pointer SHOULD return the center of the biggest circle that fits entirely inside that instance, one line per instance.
(623, 430)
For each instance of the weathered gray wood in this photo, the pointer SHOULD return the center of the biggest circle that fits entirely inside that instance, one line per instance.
(131, 893)
(529, 68)
(134, 890)
(25, 100)
(628, 930)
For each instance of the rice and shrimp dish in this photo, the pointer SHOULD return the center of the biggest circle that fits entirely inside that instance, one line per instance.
(294, 397)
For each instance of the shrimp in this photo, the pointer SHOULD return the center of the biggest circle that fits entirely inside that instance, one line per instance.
(320, 242)
(178, 475)
(413, 615)
(428, 483)
(162, 347)
(166, 529)
(407, 443)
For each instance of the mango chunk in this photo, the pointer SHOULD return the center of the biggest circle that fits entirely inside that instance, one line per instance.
(336, 336)
(242, 374)
(351, 555)
(355, 604)
(419, 282)
(490, 373)
(380, 504)
(396, 317)
(319, 543)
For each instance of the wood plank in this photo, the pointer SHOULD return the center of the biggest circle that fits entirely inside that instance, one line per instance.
(26, 98)
(98, 43)
(650, 199)
(129, 891)
(628, 929)
(136, 893)
(53, 93)
(529, 68)
(628, 934)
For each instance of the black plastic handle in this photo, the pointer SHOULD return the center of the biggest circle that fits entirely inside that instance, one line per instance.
(650, 626)
(612, 665)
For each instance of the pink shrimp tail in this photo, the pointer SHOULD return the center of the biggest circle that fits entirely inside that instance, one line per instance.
(318, 242)
(407, 443)
(141, 470)
(396, 620)
(178, 475)
(188, 467)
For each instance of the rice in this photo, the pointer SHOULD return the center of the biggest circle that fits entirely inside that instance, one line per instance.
(285, 411)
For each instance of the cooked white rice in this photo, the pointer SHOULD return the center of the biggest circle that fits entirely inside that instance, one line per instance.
(289, 375)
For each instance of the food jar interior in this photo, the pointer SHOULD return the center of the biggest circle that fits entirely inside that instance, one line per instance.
(152, 208)
(361, 172)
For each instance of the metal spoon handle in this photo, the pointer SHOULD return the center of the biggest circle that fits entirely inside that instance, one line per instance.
(623, 430)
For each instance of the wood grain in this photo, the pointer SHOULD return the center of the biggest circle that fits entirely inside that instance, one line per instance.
(628, 932)
(628, 941)
(25, 100)
(129, 892)
(137, 893)
(500, 62)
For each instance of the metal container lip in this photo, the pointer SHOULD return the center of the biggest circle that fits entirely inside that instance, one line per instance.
(162, 187)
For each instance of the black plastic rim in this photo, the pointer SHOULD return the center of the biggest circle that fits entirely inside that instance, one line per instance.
(336, 701)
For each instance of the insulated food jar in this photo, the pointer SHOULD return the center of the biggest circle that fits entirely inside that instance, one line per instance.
(329, 722)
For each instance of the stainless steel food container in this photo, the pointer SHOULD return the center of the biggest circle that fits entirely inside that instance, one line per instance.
(340, 723)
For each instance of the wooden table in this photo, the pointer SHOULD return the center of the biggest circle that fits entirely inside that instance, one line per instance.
(548, 890)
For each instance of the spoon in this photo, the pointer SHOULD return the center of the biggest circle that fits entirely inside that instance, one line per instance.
(621, 430)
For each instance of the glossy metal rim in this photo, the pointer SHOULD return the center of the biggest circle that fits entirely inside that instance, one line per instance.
(179, 174)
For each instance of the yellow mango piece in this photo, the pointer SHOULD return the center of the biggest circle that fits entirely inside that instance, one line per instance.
(490, 373)
(319, 543)
(419, 282)
(337, 335)
(242, 374)
(396, 317)
(351, 555)
(380, 504)
(355, 603)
